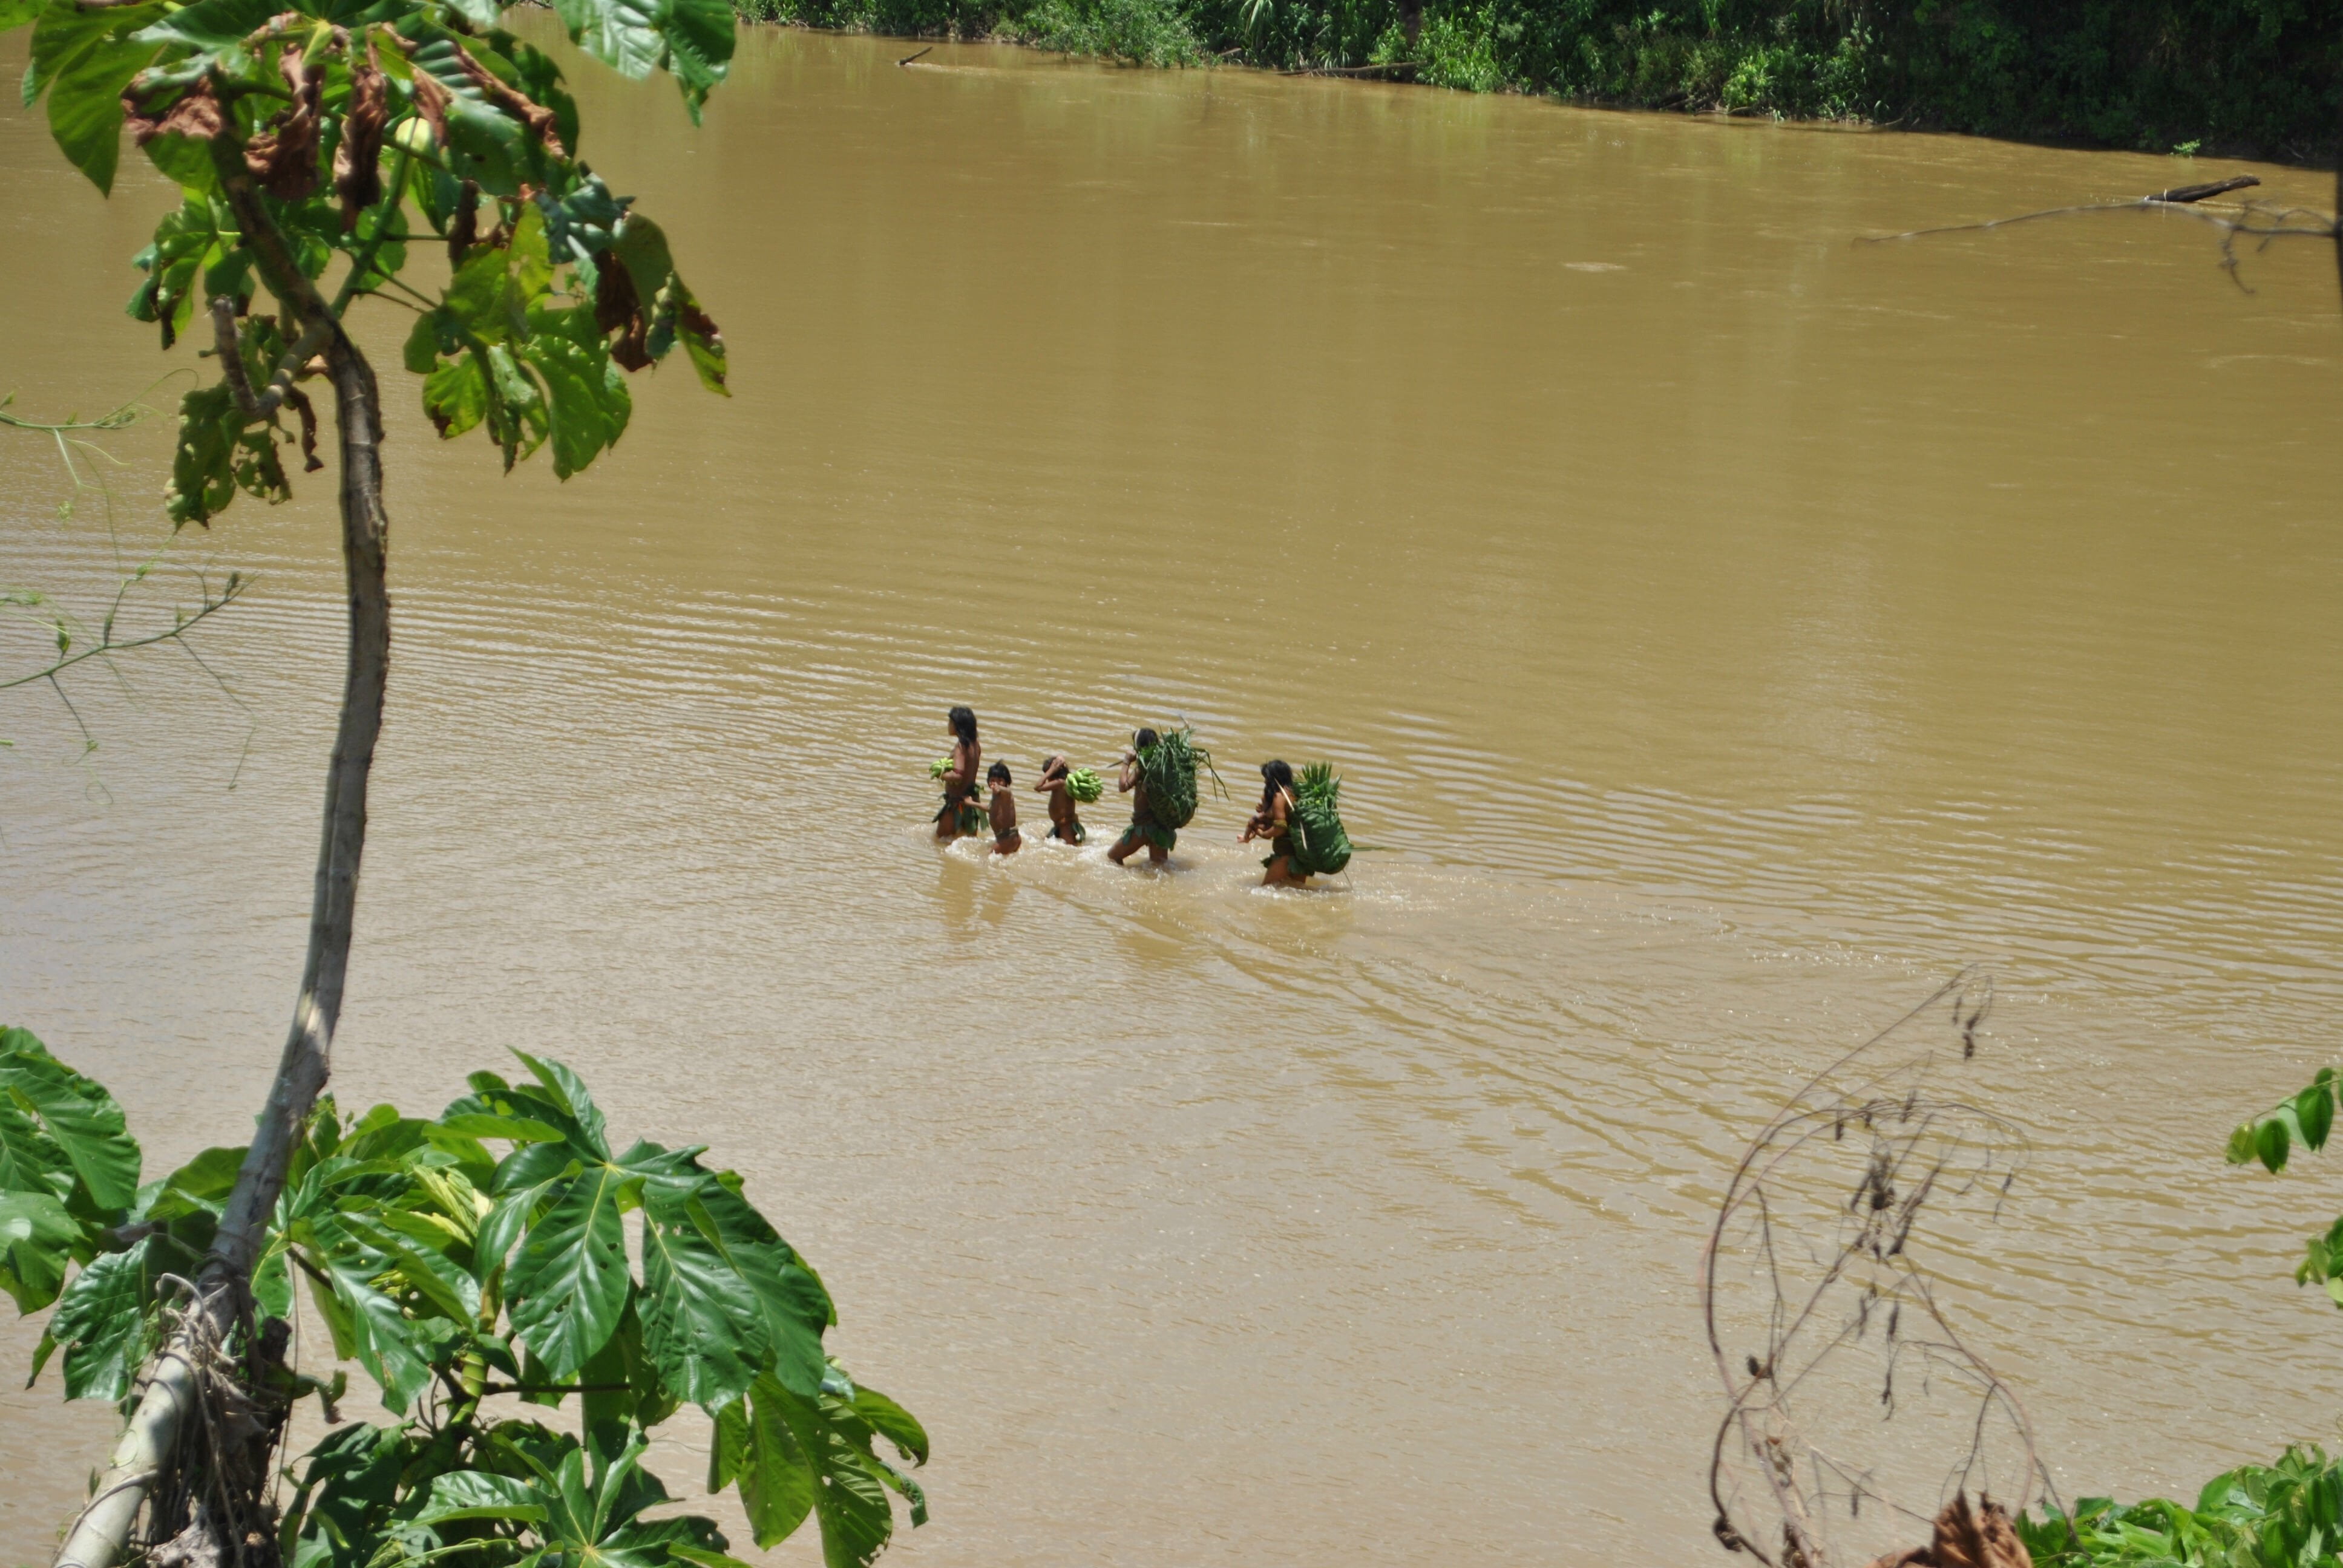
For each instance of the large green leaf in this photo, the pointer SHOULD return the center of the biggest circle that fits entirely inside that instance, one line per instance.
(755, 1448)
(210, 1175)
(568, 1283)
(692, 38)
(851, 1502)
(504, 1225)
(79, 1115)
(2314, 1111)
(791, 1455)
(2273, 1143)
(430, 1273)
(700, 1320)
(623, 1383)
(641, 246)
(203, 463)
(383, 1339)
(83, 60)
(36, 1242)
(101, 1321)
(794, 1307)
(588, 401)
(703, 1556)
(700, 37)
(30, 1160)
(622, 33)
(213, 26)
(482, 297)
(514, 1129)
(477, 1494)
(456, 400)
(531, 274)
(382, 1336)
(891, 1420)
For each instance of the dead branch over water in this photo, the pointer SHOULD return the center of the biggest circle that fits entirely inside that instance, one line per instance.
(1822, 1315)
(2261, 221)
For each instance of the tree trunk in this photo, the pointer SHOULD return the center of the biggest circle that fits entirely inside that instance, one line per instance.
(100, 1535)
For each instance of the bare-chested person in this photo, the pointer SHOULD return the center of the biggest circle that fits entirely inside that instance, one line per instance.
(961, 816)
(1273, 821)
(1006, 838)
(1065, 819)
(1143, 829)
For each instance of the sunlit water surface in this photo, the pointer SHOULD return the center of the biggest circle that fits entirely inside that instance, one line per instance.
(1726, 630)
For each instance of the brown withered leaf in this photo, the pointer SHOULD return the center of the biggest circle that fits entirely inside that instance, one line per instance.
(357, 162)
(298, 401)
(1965, 1539)
(618, 309)
(431, 102)
(195, 116)
(534, 114)
(464, 230)
(283, 156)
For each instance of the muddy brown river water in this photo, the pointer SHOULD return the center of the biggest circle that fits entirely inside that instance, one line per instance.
(1728, 630)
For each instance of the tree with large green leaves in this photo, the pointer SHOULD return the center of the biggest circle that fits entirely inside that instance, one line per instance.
(316, 143)
(474, 1264)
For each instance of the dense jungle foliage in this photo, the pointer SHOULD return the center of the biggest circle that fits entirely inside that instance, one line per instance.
(2248, 76)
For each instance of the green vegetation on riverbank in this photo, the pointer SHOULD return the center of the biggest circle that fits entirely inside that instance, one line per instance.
(2287, 1512)
(2248, 76)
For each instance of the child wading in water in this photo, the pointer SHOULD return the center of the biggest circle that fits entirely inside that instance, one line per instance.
(1143, 828)
(1273, 821)
(1065, 820)
(1006, 840)
(961, 816)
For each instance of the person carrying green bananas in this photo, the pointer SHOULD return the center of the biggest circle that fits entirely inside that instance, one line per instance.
(1069, 788)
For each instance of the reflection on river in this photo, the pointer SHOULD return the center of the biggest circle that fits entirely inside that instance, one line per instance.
(1729, 630)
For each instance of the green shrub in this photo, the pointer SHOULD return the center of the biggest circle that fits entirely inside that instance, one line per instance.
(2290, 1513)
(1144, 32)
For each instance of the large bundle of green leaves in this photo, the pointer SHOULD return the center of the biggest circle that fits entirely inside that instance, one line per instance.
(472, 1286)
(1168, 771)
(1321, 846)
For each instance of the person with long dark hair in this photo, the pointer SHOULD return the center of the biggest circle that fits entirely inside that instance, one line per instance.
(1143, 829)
(961, 816)
(1273, 821)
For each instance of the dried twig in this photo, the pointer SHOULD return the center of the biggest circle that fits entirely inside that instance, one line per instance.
(1821, 1321)
(2252, 220)
(73, 642)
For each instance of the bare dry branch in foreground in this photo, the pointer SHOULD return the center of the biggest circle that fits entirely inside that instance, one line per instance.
(1824, 1320)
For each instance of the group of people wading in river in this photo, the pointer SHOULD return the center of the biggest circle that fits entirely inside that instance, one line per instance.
(961, 817)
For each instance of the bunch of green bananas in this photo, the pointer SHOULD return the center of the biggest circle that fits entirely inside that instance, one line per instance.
(1084, 785)
(939, 766)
